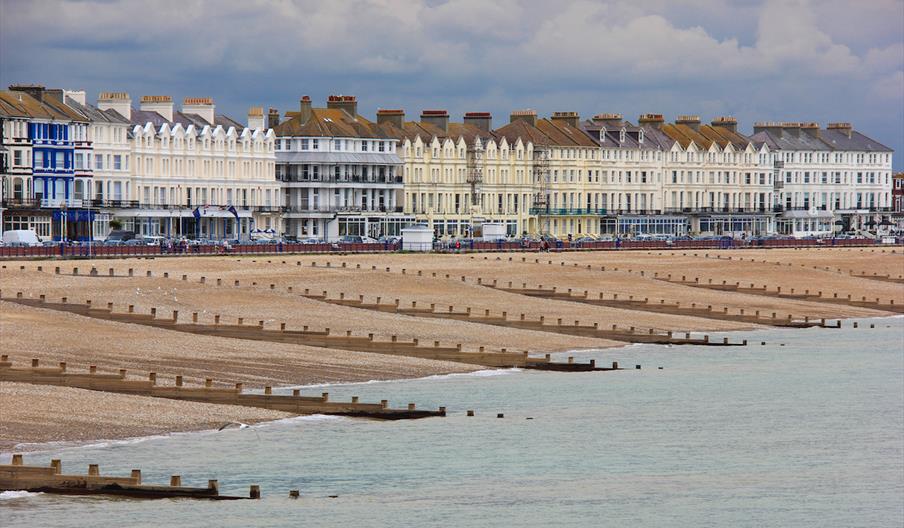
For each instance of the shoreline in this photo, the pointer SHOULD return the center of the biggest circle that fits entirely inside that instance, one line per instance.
(7, 449)
(259, 290)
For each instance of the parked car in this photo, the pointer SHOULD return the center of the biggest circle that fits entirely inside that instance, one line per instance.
(118, 236)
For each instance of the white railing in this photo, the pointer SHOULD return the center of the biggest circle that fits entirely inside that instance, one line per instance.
(59, 203)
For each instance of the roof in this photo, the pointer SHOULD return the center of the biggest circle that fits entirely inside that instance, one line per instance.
(333, 122)
(653, 138)
(20, 104)
(427, 131)
(141, 117)
(839, 140)
(95, 114)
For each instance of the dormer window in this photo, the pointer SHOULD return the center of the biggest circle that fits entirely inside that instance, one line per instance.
(640, 136)
(622, 135)
(603, 135)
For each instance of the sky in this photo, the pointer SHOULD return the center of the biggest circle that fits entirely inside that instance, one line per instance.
(770, 60)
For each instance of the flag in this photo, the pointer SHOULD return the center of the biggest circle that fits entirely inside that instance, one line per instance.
(196, 213)
(232, 210)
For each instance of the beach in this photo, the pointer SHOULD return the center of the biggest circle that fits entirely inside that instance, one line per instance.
(35, 414)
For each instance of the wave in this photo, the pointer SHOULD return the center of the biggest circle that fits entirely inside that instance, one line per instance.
(11, 495)
(296, 419)
(487, 373)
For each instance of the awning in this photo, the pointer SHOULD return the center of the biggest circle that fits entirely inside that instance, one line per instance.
(819, 213)
(181, 213)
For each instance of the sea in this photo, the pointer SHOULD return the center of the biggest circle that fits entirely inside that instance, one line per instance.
(806, 430)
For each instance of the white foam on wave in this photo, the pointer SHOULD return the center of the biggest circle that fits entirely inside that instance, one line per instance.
(11, 495)
(474, 374)
(296, 419)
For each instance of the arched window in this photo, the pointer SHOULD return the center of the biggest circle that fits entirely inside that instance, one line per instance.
(603, 135)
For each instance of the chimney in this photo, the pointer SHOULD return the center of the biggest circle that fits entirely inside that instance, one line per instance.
(34, 90)
(528, 116)
(689, 120)
(767, 126)
(273, 118)
(76, 95)
(792, 128)
(726, 122)
(653, 120)
(844, 128)
(202, 106)
(305, 109)
(811, 129)
(482, 120)
(608, 120)
(349, 103)
(439, 118)
(569, 118)
(256, 118)
(119, 101)
(162, 104)
(394, 117)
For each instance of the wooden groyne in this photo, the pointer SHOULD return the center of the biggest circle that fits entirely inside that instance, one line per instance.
(557, 325)
(317, 338)
(672, 308)
(295, 403)
(16, 476)
(791, 293)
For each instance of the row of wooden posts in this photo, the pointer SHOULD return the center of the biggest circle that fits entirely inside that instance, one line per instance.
(51, 479)
(119, 383)
(319, 338)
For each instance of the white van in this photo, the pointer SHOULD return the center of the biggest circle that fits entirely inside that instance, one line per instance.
(21, 238)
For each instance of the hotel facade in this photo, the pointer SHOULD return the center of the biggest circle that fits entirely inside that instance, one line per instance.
(71, 168)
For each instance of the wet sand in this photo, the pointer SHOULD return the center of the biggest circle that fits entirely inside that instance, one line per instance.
(43, 413)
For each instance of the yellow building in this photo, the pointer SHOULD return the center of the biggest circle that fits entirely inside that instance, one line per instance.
(459, 176)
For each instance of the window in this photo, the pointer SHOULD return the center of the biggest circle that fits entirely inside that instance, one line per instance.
(17, 158)
(117, 162)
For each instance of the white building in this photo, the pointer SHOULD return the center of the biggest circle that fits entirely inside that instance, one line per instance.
(197, 173)
(108, 161)
(827, 180)
(340, 172)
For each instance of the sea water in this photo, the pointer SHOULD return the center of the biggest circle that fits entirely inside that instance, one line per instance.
(807, 430)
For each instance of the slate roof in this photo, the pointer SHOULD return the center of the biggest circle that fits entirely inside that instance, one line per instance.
(95, 114)
(654, 139)
(142, 117)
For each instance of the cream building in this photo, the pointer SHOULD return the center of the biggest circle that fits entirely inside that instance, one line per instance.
(459, 176)
(197, 173)
(565, 171)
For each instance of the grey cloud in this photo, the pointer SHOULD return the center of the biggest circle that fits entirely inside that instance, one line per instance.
(758, 59)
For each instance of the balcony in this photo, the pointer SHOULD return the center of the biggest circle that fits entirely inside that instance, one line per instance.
(308, 209)
(721, 210)
(373, 180)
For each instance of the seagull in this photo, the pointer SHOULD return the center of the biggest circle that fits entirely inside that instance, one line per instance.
(240, 425)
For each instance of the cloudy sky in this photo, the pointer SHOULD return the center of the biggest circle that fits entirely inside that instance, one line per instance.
(801, 60)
